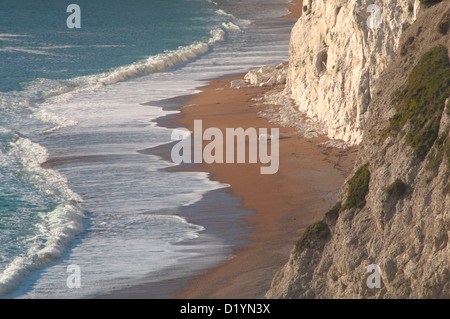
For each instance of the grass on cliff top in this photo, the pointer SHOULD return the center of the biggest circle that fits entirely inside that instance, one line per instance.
(358, 187)
(421, 103)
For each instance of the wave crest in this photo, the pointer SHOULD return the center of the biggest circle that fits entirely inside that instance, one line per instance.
(57, 228)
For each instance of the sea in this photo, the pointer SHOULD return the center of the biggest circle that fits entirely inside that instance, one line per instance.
(83, 209)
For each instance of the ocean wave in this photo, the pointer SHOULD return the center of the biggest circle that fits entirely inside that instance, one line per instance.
(57, 91)
(56, 231)
(157, 63)
(162, 61)
(42, 91)
(57, 228)
(31, 155)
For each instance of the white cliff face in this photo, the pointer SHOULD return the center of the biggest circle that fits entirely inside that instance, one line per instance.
(336, 58)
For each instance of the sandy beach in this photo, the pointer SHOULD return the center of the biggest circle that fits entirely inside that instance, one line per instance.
(284, 203)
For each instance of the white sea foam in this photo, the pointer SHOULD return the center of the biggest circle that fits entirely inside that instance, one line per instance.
(223, 13)
(231, 26)
(57, 228)
(57, 91)
(155, 245)
(31, 156)
(57, 121)
(217, 35)
(193, 233)
(197, 195)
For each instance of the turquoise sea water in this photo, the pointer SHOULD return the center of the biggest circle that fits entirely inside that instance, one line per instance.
(79, 97)
(36, 43)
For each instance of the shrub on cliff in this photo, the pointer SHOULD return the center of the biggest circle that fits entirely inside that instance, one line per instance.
(358, 187)
(333, 213)
(317, 231)
(397, 188)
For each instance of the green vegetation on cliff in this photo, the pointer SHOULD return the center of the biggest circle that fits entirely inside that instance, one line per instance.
(421, 103)
(397, 188)
(358, 187)
(315, 231)
(333, 213)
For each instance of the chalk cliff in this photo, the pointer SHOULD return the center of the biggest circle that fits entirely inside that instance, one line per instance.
(389, 91)
(338, 49)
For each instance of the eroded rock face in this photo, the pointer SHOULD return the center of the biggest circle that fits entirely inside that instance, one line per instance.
(402, 223)
(336, 55)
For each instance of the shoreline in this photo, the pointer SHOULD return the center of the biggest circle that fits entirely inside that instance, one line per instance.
(249, 274)
(295, 9)
(284, 204)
